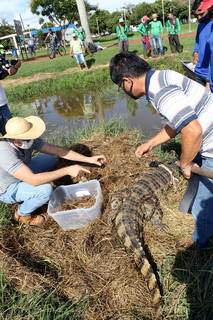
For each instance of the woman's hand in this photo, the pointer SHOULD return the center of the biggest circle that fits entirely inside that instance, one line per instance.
(98, 160)
(75, 170)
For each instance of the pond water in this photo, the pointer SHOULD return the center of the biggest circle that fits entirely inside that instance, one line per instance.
(71, 110)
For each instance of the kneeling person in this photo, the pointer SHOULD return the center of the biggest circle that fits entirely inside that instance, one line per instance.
(25, 179)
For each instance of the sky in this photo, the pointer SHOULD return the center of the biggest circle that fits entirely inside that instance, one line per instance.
(10, 9)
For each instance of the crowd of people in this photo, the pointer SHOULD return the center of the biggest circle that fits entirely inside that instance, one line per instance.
(184, 103)
(151, 31)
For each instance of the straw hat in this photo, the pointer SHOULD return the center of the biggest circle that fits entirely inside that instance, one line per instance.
(24, 128)
(154, 16)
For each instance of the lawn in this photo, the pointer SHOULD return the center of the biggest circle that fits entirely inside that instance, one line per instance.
(61, 64)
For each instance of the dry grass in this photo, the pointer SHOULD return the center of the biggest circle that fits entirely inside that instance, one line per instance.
(91, 261)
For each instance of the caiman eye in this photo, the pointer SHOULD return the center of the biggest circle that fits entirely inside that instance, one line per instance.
(154, 164)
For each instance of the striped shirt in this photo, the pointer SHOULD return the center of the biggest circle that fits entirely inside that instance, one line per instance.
(181, 100)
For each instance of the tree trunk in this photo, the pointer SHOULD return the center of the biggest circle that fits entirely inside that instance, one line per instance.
(84, 19)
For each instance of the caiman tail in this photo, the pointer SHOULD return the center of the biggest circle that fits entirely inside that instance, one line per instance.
(129, 237)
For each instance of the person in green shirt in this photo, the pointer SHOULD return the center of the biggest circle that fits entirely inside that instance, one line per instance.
(122, 34)
(173, 28)
(156, 29)
(81, 35)
(143, 28)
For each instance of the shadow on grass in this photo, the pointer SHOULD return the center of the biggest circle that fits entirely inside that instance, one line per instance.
(13, 244)
(90, 62)
(173, 145)
(39, 305)
(195, 269)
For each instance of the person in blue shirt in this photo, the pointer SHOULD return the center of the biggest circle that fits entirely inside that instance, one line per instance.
(202, 52)
(211, 63)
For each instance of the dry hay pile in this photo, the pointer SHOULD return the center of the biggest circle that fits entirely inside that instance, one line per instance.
(91, 261)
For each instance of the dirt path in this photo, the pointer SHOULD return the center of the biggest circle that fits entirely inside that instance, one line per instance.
(46, 75)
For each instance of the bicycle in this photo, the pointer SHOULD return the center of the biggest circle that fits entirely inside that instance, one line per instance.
(52, 50)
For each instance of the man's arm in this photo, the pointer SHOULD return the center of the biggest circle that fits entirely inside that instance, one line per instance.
(65, 153)
(191, 138)
(167, 26)
(47, 36)
(177, 25)
(163, 136)
(118, 32)
(26, 175)
(161, 27)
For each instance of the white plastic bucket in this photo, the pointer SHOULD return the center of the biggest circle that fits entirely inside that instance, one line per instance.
(80, 217)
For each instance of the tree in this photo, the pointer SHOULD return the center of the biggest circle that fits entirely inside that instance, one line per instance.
(6, 28)
(113, 21)
(177, 7)
(56, 10)
(47, 25)
(141, 10)
(101, 17)
(84, 19)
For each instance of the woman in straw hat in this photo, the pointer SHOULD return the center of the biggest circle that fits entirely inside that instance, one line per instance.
(26, 180)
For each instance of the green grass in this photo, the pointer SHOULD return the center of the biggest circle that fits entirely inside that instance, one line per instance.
(112, 127)
(55, 65)
(94, 79)
(47, 305)
(188, 285)
(61, 64)
(89, 80)
(5, 214)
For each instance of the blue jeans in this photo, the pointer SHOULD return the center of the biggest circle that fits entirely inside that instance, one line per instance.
(202, 207)
(79, 57)
(157, 43)
(5, 115)
(31, 197)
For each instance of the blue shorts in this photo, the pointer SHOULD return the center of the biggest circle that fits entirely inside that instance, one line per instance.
(79, 57)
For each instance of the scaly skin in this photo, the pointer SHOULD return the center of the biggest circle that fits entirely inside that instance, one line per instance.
(131, 210)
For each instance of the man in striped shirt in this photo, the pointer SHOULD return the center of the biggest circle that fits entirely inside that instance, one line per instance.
(188, 109)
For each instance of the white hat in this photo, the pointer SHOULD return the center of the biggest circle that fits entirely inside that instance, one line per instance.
(76, 23)
(121, 20)
(24, 128)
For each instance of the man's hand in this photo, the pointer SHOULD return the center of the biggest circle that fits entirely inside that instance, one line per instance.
(143, 149)
(98, 160)
(75, 170)
(186, 170)
(195, 58)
